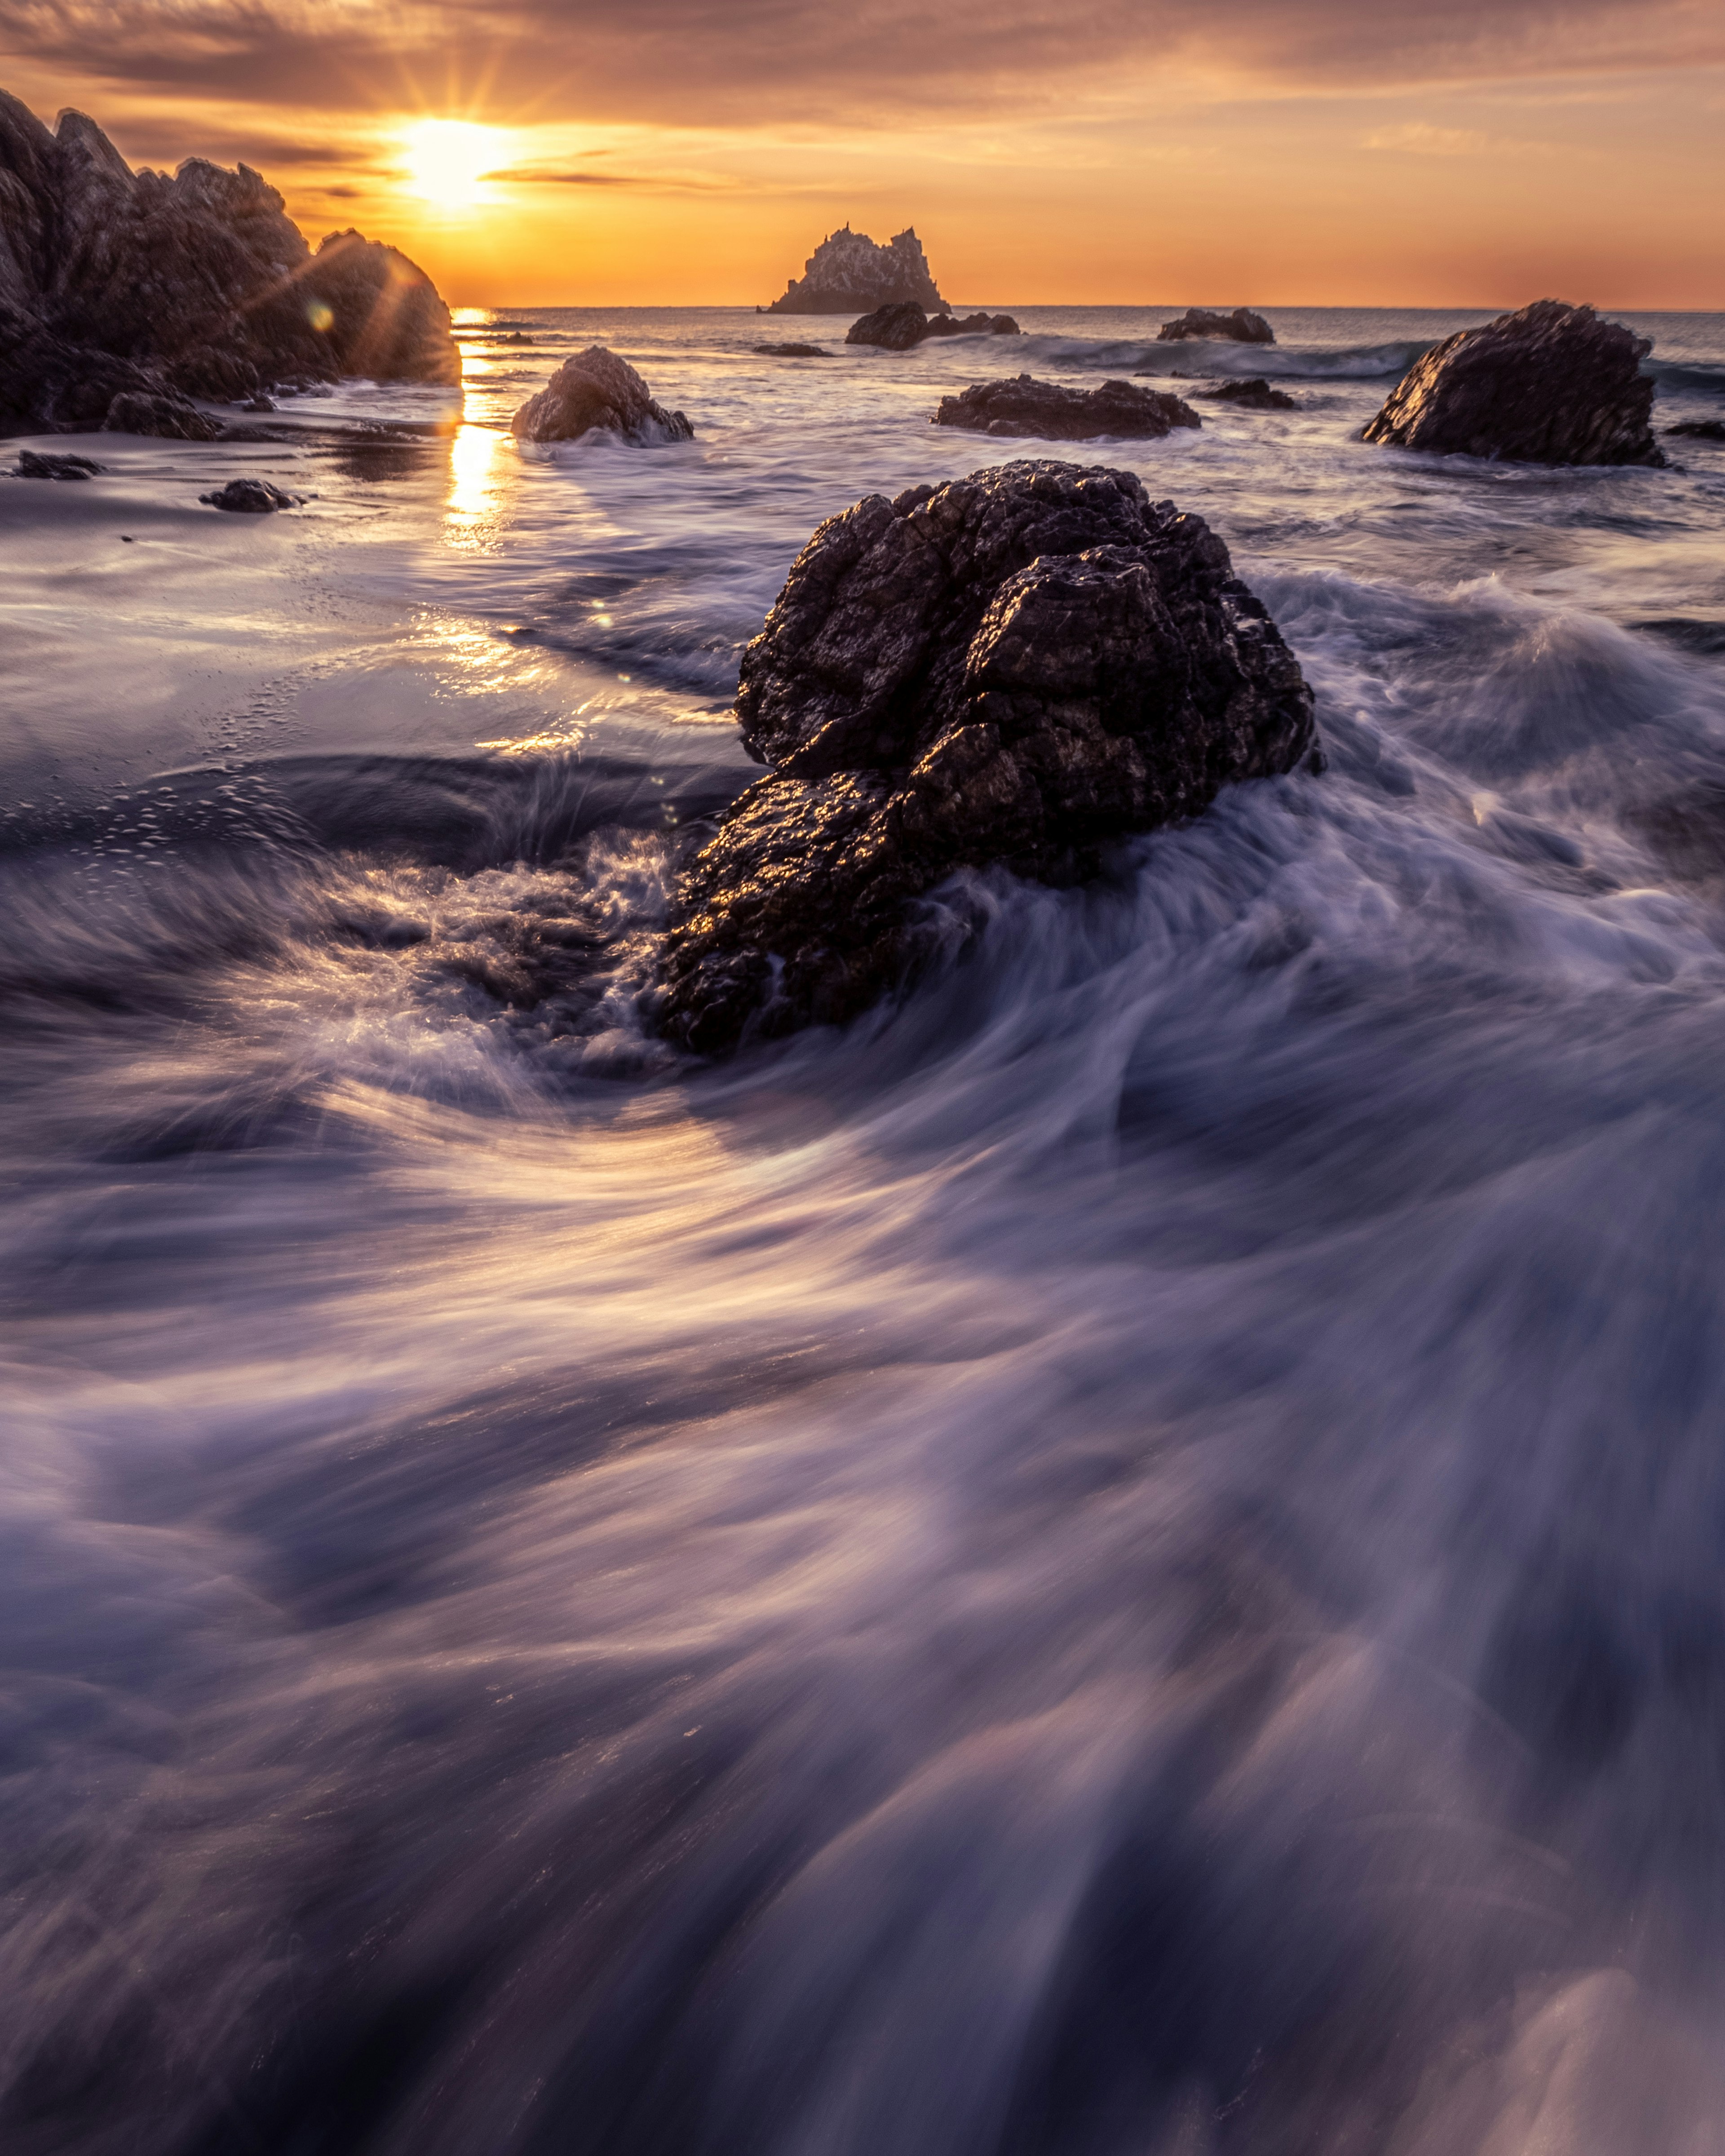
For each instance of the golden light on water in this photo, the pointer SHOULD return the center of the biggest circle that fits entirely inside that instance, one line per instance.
(447, 161)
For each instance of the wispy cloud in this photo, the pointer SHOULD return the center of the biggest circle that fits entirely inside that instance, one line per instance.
(1417, 138)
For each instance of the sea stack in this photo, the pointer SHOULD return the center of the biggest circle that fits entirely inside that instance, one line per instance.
(1010, 670)
(848, 274)
(116, 284)
(1551, 384)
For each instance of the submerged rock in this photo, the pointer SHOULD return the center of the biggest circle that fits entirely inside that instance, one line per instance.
(1241, 326)
(1252, 395)
(899, 326)
(1054, 413)
(848, 274)
(597, 392)
(794, 350)
(1008, 669)
(1551, 384)
(114, 282)
(250, 497)
(32, 466)
(1700, 430)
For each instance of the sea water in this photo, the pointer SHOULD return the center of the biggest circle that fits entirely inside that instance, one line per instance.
(1123, 1559)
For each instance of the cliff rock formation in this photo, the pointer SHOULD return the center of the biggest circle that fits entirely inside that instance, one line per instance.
(597, 392)
(1242, 327)
(121, 284)
(1054, 414)
(849, 275)
(902, 323)
(1010, 669)
(1552, 384)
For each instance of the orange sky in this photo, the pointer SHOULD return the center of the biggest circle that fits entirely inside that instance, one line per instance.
(1277, 151)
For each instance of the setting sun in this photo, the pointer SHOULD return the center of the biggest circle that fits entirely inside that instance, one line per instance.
(448, 160)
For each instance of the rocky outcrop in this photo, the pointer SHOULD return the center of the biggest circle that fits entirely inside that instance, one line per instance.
(1700, 430)
(793, 351)
(597, 392)
(31, 466)
(1552, 384)
(848, 275)
(1051, 413)
(1241, 326)
(904, 323)
(156, 412)
(119, 282)
(1008, 669)
(250, 497)
(1254, 394)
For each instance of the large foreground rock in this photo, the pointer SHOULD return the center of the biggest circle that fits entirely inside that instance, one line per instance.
(1051, 413)
(114, 283)
(1011, 669)
(1551, 385)
(849, 275)
(597, 392)
(1241, 326)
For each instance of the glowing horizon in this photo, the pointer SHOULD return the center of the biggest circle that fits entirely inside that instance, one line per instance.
(1303, 152)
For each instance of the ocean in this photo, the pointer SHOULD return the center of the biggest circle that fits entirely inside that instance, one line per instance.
(1122, 1559)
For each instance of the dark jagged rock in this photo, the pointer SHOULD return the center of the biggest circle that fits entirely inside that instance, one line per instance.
(1700, 430)
(1052, 412)
(1009, 670)
(597, 392)
(896, 327)
(119, 282)
(977, 324)
(848, 274)
(1253, 395)
(794, 350)
(904, 323)
(32, 466)
(250, 497)
(1552, 384)
(1241, 326)
(171, 418)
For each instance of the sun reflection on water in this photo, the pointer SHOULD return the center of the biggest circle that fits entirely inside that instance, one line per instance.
(475, 485)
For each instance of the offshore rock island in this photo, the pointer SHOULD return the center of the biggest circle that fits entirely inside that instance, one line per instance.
(849, 274)
(125, 294)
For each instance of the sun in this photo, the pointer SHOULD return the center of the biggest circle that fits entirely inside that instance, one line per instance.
(448, 159)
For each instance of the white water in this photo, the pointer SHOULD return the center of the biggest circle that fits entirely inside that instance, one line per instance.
(1122, 1561)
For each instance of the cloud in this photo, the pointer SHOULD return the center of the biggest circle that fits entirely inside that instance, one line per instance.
(707, 61)
(1417, 138)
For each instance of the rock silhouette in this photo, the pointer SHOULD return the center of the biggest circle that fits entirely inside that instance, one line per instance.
(1051, 412)
(33, 465)
(114, 283)
(904, 323)
(1008, 669)
(597, 392)
(1253, 394)
(1551, 384)
(848, 274)
(250, 497)
(1700, 430)
(1241, 326)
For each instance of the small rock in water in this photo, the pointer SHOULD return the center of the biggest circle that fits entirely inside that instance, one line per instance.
(1054, 413)
(597, 392)
(794, 350)
(260, 402)
(250, 497)
(905, 324)
(31, 465)
(973, 325)
(1241, 326)
(1253, 395)
(1009, 670)
(1700, 430)
(1552, 384)
(167, 417)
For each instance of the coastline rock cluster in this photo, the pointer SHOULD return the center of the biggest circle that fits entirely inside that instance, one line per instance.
(1241, 326)
(597, 392)
(904, 323)
(1008, 669)
(1551, 384)
(116, 284)
(848, 274)
(1052, 412)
